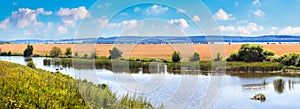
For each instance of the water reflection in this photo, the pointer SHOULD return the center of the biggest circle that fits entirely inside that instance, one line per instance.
(279, 85)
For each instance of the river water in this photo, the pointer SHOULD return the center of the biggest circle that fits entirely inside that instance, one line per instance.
(189, 91)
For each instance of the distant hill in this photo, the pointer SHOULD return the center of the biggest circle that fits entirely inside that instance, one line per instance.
(165, 40)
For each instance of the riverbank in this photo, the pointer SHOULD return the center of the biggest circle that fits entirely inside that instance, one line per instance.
(24, 87)
(160, 66)
(159, 51)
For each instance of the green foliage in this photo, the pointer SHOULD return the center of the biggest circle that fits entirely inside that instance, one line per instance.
(176, 57)
(94, 55)
(250, 53)
(115, 53)
(291, 59)
(3, 54)
(76, 54)
(9, 53)
(195, 57)
(68, 51)
(23, 87)
(218, 57)
(31, 64)
(55, 52)
(28, 51)
(85, 55)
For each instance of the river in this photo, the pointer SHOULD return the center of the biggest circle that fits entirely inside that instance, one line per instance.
(188, 90)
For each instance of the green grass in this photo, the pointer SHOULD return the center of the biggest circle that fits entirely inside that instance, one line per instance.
(24, 87)
(133, 65)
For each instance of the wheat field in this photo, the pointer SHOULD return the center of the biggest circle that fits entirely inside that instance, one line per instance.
(164, 51)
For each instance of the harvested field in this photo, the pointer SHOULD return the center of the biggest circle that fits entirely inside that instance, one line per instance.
(149, 50)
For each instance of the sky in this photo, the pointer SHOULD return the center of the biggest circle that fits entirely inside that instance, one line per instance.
(63, 19)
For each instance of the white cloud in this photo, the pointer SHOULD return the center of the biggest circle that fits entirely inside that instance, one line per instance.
(227, 28)
(4, 24)
(27, 32)
(196, 18)
(251, 27)
(71, 16)
(156, 10)
(24, 17)
(259, 13)
(222, 15)
(290, 30)
(182, 23)
(130, 24)
(61, 29)
(256, 3)
(245, 30)
(137, 9)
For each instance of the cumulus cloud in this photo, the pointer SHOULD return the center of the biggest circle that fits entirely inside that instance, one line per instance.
(182, 23)
(24, 17)
(156, 10)
(71, 16)
(61, 29)
(256, 3)
(130, 24)
(196, 18)
(290, 30)
(242, 30)
(227, 28)
(251, 27)
(222, 15)
(259, 13)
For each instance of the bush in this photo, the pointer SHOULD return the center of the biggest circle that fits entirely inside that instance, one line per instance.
(218, 57)
(195, 57)
(55, 52)
(290, 59)
(31, 64)
(115, 53)
(3, 53)
(68, 52)
(176, 57)
(251, 53)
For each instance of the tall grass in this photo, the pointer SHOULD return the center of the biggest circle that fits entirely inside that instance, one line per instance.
(24, 87)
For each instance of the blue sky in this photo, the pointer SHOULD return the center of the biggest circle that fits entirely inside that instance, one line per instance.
(61, 19)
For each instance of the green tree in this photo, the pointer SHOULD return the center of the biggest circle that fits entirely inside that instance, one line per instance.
(28, 51)
(68, 51)
(94, 55)
(251, 53)
(76, 54)
(55, 52)
(176, 57)
(218, 57)
(290, 59)
(9, 53)
(115, 53)
(195, 57)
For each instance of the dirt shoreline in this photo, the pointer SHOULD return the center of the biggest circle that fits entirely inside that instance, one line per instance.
(163, 51)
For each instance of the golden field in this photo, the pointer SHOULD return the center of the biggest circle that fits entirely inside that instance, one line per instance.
(164, 51)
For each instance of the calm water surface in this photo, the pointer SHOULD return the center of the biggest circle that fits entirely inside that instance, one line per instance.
(189, 91)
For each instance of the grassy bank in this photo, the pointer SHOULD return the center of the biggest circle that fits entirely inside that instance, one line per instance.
(24, 87)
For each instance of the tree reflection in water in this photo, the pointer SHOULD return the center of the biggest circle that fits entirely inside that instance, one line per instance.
(279, 85)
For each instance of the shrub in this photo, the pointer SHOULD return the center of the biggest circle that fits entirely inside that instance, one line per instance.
(55, 52)
(115, 53)
(9, 53)
(218, 57)
(176, 57)
(251, 53)
(68, 52)
(3, 53)
(290, 59)
(195, 57)
(31, 64)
